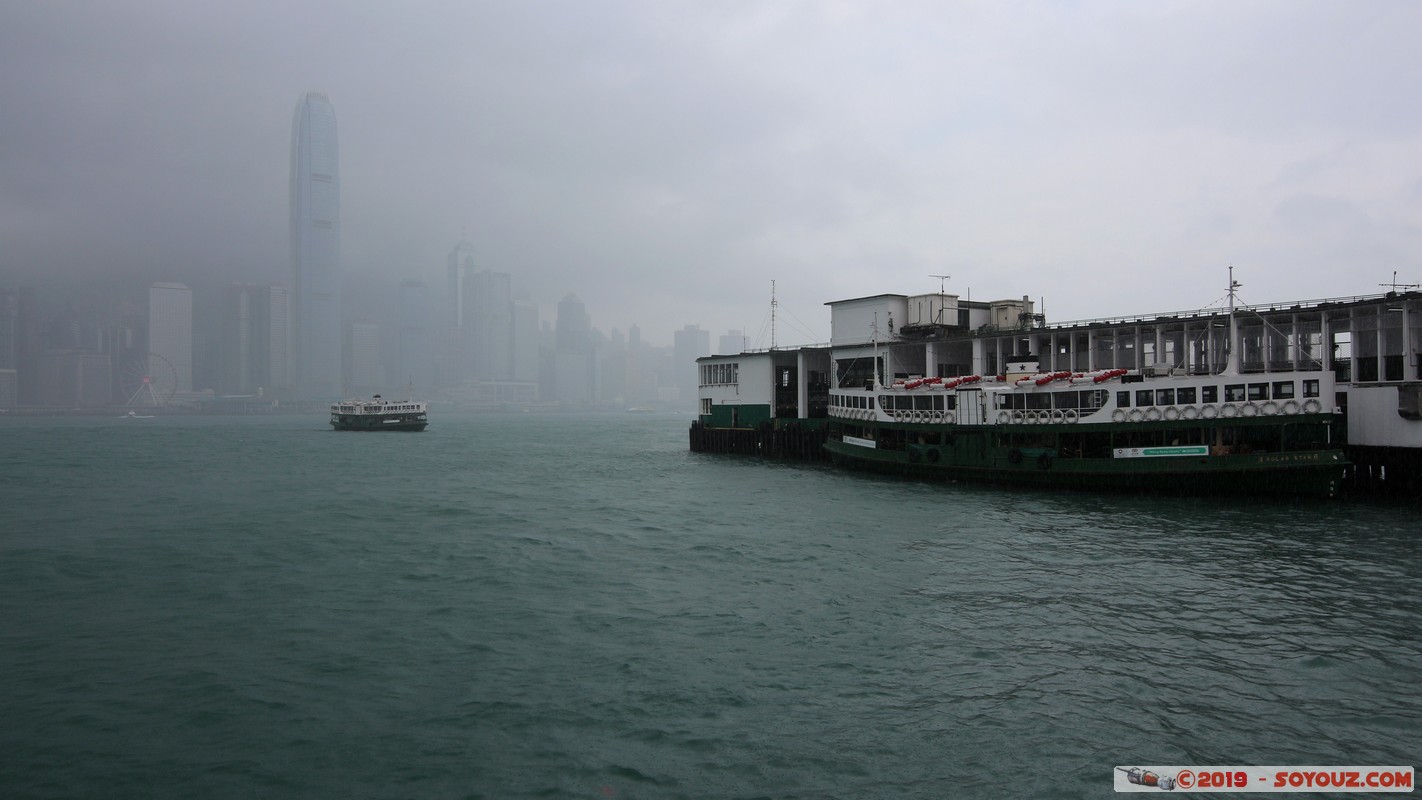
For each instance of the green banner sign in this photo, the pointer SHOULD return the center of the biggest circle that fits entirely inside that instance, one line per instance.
(1159, 452)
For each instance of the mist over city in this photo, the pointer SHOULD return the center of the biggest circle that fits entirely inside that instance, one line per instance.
(663, 164)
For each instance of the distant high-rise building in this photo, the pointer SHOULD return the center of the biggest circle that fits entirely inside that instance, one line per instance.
(316, 248)
(363, 352)
(525, 341)
(256, 339)
(9, 330)
(170, 337)
(461, 267)
(481, 310)
(690, 343)
(414, 346)
(574, 376)
(733, 342)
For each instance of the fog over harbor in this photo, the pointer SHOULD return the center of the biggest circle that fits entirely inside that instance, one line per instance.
(665, 161)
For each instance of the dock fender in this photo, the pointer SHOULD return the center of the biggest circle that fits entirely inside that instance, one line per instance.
(1044, 461)
(1014, 456)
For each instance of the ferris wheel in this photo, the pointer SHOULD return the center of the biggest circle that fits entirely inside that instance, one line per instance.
(149, 380)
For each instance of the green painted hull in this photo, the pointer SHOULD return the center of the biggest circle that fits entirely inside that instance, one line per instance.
(978, 454)
(379, 422)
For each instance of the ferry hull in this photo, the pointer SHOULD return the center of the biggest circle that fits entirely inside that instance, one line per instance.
(973, 456)
(371, 422)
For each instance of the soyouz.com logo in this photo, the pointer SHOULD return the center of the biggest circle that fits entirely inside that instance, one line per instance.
(1263, 779)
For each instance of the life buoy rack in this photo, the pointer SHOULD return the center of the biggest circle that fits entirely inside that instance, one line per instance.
(1070, 415)
(1058, 415)
(1209, 412)
(1119, 415)
(1189, 412)
(1229, 411)
(1003, 417)
(1312, 406)
(1249, 410)
(949, 417)
(1291, 407)
(1136, 415)
(1172, 413)
(1269, 408)
(1018, 416)
(1152, 414)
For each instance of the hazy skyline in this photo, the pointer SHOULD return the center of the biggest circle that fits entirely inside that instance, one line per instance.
(665, 161)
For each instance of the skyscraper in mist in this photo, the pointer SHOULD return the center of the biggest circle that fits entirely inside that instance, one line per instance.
(316, 249)
(170, 337)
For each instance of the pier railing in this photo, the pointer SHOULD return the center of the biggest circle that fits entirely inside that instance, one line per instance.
(1213, 311)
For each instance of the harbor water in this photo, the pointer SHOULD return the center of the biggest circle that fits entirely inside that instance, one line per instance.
(575, 606)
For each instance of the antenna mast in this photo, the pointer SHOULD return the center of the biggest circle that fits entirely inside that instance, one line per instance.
(942, 279)
(772, 314)
(1232, 355)
(1394, 286)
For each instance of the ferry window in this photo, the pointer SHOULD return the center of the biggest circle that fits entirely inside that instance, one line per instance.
(1165, 397)
(1234, 393)
(1145, 397)
(938, 402)
(1310, 388)
(1185, 395)
(1123, 399)
(705, 405)
(1066, 399)
(923, 403)
(1258, 391)
(1093, 398)
(952, 402)
(871, 401)
(1209, 394)
(1283, 390)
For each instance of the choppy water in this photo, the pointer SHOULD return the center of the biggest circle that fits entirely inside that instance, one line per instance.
(577, 607)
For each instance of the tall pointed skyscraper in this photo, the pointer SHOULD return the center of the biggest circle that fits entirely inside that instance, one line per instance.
(316, 249)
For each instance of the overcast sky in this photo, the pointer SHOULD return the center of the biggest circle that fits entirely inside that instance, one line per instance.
(665, 161)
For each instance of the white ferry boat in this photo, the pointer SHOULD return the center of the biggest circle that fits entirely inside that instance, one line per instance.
(379, 414)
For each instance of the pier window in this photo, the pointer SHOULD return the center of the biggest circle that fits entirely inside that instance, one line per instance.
(1283, 390)
(1234, 393)
(1209, 394)
(1185, 395)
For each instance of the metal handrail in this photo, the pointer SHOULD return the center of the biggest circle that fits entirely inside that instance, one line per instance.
(1212, 312)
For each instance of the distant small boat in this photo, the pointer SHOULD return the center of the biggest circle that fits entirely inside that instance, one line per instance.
(641, 410)
(135, 415)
